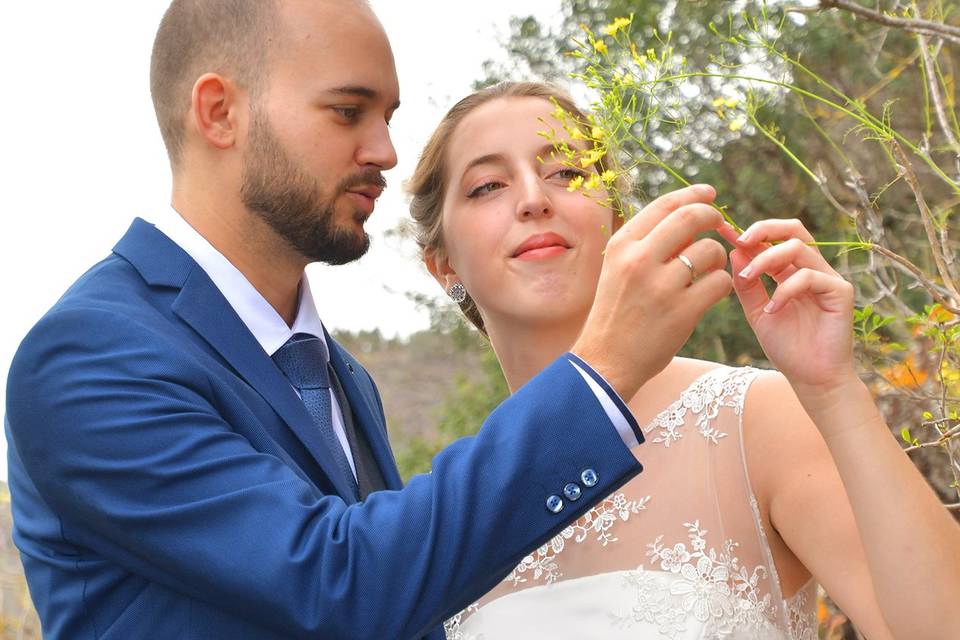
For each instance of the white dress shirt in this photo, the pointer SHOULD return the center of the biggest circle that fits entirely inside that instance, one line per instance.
(272, 331)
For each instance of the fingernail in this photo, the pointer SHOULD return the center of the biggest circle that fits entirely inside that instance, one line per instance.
(771, 307)
(747, 270)
(744, 238)
(703, 188)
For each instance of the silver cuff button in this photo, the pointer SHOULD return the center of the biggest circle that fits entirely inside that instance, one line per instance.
(554, 504)
(589, 478)
(572, 492)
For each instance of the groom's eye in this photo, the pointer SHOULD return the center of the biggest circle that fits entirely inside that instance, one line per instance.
(348, 113)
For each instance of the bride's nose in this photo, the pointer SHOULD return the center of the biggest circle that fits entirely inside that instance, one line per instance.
(533, 202)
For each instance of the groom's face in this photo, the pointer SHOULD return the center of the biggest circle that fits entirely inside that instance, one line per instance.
(318, 136)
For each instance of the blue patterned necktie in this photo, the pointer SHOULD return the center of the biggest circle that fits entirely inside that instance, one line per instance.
(303, 360)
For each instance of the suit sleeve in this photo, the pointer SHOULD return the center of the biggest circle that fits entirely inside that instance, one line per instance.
(120, 434)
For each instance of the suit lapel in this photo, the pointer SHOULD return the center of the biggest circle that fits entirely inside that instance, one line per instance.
(201, 305)
(366, 416)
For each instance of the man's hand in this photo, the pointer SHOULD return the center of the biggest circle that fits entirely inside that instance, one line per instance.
(648, 299)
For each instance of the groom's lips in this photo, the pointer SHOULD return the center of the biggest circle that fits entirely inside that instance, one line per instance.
(540, 246)
(365, 196)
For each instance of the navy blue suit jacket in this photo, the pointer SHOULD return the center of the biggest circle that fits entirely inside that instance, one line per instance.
(166, 484)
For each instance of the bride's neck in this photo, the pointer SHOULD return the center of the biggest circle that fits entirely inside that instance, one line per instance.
(524, 350)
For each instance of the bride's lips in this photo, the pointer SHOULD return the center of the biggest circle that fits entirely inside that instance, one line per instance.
(365, 196)
(541, 246)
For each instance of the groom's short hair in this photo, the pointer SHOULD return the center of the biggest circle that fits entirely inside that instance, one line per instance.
(231, 37)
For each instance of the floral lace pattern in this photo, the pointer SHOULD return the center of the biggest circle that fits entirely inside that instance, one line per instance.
(451, 627)
(710, 585)
(688, 586)
(542, 563)
(801, 617)
(718, 388)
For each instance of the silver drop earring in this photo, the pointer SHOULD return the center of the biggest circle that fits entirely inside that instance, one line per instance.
(457, 293)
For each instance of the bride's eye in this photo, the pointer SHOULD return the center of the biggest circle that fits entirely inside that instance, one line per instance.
(485, 188)
(569, 173)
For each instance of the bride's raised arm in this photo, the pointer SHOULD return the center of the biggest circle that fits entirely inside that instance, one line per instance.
(849, 494)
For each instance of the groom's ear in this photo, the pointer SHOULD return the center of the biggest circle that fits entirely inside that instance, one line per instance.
(215, 110)
(439, 267)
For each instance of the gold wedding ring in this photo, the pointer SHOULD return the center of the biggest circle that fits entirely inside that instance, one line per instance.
(689, 265)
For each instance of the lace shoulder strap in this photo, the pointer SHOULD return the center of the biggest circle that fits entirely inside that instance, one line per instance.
(703, 398)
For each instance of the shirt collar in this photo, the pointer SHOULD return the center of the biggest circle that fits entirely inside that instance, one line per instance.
(263, 321)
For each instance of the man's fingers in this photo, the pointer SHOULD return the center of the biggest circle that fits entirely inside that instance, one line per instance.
(704, 255)
(655, 212)
(679, 229)
(708, 290)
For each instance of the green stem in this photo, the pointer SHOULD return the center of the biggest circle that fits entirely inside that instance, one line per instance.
(772, 138)
(867, 120)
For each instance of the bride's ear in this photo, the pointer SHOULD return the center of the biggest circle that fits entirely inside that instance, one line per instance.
(439, 267)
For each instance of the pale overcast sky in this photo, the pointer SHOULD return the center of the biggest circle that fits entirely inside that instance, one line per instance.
(81, 154)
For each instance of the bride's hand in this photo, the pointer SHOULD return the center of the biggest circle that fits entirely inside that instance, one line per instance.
(805, 327)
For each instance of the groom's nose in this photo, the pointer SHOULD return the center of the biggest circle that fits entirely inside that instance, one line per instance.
(377, 149)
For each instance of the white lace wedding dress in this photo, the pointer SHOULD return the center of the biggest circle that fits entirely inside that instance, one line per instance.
(679, 552)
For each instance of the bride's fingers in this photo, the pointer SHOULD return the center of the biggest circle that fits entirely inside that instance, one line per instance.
(831, 293)
(773, 230)
(782, 261)
(751, 293)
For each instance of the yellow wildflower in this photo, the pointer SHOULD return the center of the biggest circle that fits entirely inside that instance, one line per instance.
(608, 176)
(640, 62)
(592, 183)
(591, 158)
(730, 103)
(598, 133)
(736, 125)
(615, 26)
(718, 102)
(575, 183)
(577, 134)
(600, 46)
(652, 55)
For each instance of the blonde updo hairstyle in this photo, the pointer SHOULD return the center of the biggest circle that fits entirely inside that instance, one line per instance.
(427, 187)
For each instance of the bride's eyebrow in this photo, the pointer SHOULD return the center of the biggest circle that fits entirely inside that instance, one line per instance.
(547, 151)
(490, 158)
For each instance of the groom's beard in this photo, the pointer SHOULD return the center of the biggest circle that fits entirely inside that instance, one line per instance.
(292, 203)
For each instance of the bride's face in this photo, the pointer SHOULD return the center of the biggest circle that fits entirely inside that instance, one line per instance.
(525, 247)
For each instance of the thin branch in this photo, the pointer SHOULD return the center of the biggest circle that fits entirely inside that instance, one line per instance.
(927, 217)
(914, 25)
(934, 86)
(917, 273)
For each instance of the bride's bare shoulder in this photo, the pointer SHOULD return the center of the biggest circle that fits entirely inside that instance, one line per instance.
(686, 371)
(667, 386)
